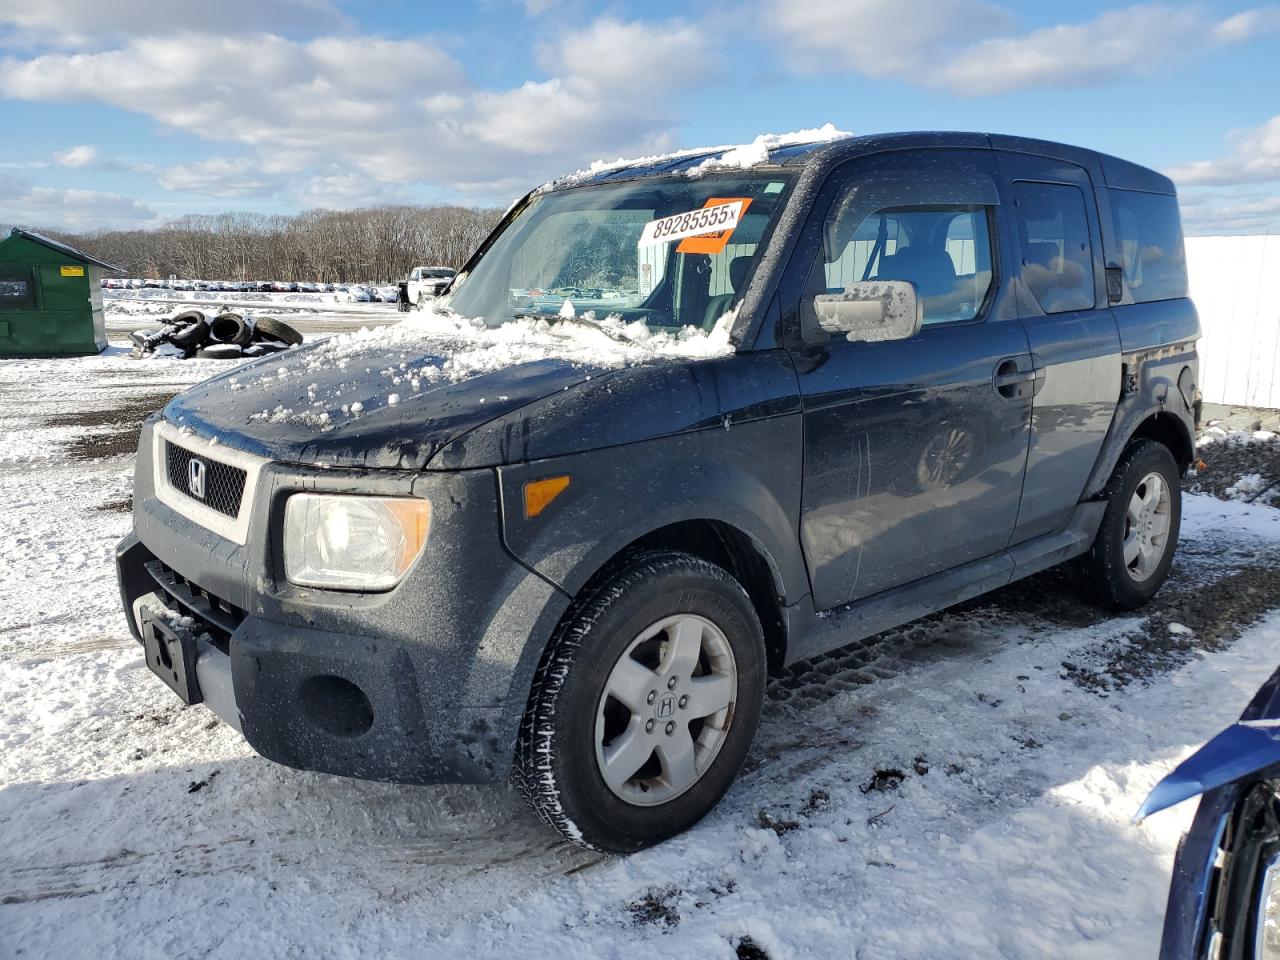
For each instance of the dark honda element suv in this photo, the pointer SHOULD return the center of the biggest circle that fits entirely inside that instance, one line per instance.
(836, 390)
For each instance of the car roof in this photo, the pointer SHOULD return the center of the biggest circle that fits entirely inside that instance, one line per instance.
(1113, 171)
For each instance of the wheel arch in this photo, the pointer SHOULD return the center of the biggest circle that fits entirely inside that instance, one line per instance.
(727, 546)
(1159, 412)
(742, 556)
(1168, 430)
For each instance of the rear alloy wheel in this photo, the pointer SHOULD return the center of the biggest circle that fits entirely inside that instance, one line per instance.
(645, 703)
(1146, 527)
(1133, 551)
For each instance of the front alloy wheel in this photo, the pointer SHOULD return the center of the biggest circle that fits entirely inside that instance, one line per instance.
(645, 702)
(666, 710)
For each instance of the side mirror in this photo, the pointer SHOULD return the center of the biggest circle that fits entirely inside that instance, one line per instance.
(871, 310)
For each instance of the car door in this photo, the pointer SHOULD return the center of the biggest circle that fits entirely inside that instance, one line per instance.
(914, 450)
(1074, 339)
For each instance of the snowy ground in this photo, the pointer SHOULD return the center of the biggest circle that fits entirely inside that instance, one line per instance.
(318, 313)
(958, 788)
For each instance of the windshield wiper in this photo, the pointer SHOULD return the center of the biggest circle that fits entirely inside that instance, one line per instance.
(584, 321)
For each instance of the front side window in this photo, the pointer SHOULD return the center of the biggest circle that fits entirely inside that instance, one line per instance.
(944, 251)
(1151, 249)
(17, 288)
(1057, 256)
(673, 251)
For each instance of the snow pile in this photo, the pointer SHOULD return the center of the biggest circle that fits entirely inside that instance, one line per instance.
(732, 156)
(1250, 487)
(1216, 433)
(1238, 465)
(757, 151)
(463, 348)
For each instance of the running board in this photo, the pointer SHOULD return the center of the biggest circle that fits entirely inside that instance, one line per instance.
(814, 633)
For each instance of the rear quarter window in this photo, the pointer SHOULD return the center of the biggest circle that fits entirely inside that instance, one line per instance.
(1151, 251)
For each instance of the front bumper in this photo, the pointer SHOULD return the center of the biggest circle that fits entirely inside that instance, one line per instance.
(423, 684)
(312, 699)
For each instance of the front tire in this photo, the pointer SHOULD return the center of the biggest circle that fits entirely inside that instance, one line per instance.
(645, 703)
(1134, 548)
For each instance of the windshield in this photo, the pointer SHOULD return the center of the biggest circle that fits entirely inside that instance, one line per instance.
(672, 252)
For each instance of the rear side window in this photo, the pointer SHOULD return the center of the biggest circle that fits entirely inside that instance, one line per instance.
(1057, 255)
(17, 289)
(945, 251)
(1151, 251)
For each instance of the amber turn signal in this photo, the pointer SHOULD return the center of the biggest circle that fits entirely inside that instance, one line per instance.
(539, 493)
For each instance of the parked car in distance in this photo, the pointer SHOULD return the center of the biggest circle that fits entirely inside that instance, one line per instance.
(951, 361)
(352, 293)
(1224, 898)
(428, 282)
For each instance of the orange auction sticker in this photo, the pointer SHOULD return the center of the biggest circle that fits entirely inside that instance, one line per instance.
(715, 242)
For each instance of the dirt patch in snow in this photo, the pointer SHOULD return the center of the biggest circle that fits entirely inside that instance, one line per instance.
(114, 429)
(1179, 625)
(657, 907)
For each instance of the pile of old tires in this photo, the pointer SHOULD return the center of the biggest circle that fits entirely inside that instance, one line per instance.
(226, 336)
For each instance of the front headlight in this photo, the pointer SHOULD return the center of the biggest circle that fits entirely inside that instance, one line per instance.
(1267, 929)
(352, 543)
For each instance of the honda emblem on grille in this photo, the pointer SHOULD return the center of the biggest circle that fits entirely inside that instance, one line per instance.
(195, 477)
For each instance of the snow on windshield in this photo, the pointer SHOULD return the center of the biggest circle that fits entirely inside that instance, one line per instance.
(475, 348)
(731, 156)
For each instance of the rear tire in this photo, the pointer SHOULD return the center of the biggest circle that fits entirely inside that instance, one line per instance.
(645, 703)
(1134, 548)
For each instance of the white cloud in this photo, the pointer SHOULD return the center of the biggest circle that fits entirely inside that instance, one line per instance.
(220, 177)
(1247, 25)
(1119, 43)
(974, 48)
(1254, 157)
(1215, 212)
(80, 156)
(69, 209)
(390, 111)
(87, 23)
(879, 38)
(610, 54)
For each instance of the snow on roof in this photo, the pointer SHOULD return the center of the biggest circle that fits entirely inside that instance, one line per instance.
(725, 157)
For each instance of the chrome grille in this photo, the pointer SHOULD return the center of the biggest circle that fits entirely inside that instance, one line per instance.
(223, 483)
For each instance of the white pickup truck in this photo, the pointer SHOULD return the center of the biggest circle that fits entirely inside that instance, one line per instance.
(427, 282)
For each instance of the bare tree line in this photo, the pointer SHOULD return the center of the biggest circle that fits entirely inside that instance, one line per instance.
(378, 244)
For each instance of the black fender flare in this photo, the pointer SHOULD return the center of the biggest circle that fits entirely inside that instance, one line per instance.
(1159, 401)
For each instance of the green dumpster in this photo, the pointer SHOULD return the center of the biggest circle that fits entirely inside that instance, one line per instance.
(50, 298)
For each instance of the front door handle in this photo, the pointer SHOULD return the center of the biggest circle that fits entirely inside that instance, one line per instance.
(1011, 376)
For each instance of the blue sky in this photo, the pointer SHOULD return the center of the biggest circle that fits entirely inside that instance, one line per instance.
(134, 112)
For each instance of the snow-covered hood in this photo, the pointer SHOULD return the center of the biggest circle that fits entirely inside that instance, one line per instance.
(392, 397)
